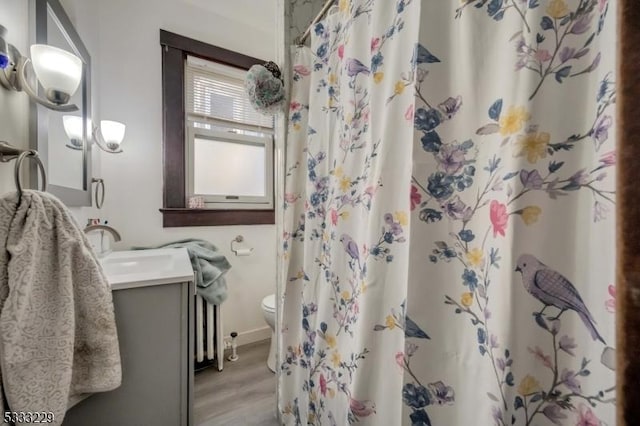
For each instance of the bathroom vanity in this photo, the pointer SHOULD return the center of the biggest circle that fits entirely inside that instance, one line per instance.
(153, 297)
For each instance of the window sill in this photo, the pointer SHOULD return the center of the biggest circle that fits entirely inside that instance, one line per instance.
(178, 217)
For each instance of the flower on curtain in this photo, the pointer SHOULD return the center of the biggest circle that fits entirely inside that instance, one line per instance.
(554, 52)
(415, 394)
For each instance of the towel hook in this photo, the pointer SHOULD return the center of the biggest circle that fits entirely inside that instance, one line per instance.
(30, 153)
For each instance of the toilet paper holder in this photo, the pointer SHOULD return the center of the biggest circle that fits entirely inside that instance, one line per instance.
(238, 249)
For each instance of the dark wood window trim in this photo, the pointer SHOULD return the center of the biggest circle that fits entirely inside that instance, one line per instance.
(175, 49)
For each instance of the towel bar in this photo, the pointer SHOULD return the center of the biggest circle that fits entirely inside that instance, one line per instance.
(9, 152)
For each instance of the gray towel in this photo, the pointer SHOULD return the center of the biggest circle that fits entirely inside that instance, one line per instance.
(58, 338)
(209, 267)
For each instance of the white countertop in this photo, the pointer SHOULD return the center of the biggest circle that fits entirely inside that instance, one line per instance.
(142, 268)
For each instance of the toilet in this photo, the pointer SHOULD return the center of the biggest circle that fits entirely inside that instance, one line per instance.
(269, 312)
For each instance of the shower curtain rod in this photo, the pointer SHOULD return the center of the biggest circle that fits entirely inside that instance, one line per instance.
(318, 17)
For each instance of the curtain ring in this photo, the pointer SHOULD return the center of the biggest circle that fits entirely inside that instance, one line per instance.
(100, 184)
(21, 157)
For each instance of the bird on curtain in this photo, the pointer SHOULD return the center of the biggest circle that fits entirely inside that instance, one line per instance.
(411, 329)
(355, 67)
(351, 248)
(553, 289)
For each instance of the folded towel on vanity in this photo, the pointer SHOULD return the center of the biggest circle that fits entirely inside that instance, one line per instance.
(209, 266)
(58, 338)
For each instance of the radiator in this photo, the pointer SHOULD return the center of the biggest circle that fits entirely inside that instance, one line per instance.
(209, 338)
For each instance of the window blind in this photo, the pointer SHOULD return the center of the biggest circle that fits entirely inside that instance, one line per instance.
(215, 95)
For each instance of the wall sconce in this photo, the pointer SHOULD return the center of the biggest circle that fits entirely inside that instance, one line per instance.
(73, 129)
(58, 71)
(109, 136)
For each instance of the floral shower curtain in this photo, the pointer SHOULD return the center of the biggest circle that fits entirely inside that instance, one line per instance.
(508, 309)
(512, 236)
(345, 254)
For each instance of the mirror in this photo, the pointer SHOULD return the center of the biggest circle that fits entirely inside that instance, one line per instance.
(66, 153)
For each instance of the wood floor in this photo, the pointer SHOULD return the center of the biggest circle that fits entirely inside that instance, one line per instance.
(242, 394)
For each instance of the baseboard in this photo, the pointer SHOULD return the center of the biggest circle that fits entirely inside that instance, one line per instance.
(250, 336)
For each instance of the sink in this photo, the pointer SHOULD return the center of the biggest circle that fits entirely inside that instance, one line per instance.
(139, 268)
(136, 264)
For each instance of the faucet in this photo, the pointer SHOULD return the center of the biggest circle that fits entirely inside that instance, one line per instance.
(116, 235)
(102, 229)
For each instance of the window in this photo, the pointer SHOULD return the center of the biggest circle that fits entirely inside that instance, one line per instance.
(214, 143)
(230, 170)
(229, 144)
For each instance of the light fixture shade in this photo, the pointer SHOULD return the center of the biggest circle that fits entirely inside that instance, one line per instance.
(56, 69)
(112, 132)
(72, 126)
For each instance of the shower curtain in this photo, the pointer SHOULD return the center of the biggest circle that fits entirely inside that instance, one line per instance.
(346, 215)
(508, 308)
(512, 240)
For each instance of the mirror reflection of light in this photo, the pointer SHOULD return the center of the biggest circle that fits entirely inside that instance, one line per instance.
(73, 126)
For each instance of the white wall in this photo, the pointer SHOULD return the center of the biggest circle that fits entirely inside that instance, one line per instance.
(129, 90)
(14, 107)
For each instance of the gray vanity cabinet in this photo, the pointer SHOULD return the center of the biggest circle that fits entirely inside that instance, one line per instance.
(154, 325)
